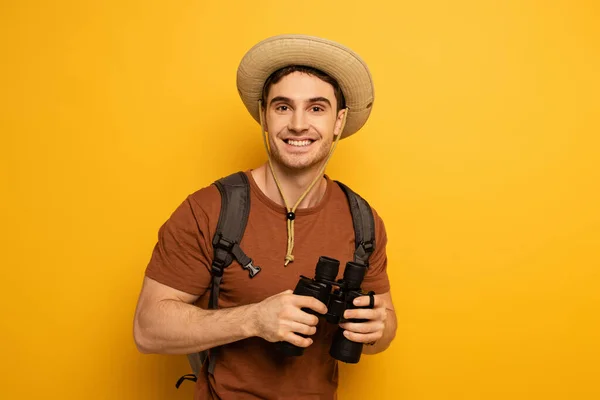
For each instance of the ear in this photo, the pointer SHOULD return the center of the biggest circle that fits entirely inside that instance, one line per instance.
(339, 122)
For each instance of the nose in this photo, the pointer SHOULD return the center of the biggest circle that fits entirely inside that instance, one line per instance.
(298, 121)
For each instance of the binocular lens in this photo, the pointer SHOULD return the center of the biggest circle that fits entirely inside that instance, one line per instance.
(354, 274)
(327, 268)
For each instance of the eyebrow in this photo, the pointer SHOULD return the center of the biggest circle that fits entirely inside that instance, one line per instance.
(320, 99)
(312, 100)
(281, 98)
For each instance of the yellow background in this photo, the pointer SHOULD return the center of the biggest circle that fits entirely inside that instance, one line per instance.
(481, 155)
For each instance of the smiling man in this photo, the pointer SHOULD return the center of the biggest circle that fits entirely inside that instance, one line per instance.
(307, 93)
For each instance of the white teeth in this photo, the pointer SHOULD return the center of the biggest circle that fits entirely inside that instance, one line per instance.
(299, 143)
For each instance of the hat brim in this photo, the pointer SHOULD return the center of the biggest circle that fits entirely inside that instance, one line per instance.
(339, 62)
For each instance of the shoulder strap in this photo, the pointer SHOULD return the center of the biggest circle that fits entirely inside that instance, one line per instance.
(235, 208)
(233, 218)
(364, 225)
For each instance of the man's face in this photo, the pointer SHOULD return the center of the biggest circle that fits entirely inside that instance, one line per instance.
(302, 121)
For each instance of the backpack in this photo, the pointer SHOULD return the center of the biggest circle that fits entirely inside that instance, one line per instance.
(233, 217)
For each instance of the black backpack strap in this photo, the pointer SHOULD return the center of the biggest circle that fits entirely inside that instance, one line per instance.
(364, 225)
(235, 209)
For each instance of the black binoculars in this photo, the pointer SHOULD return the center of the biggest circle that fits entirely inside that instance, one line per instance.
(338, 296)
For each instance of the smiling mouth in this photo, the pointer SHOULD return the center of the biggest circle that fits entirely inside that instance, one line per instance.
(299, 143)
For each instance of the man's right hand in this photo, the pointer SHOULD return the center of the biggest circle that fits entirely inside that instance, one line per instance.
(279, 317)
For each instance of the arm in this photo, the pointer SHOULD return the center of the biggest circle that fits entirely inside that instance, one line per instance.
(167, 322)
(381, 327)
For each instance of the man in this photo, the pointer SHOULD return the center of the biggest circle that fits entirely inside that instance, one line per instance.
(307, 93)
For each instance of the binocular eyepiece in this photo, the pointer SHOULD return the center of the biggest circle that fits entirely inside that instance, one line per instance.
(338, 296)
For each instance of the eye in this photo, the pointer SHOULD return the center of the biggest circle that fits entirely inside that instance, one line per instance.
(282, 108)
(317, 109)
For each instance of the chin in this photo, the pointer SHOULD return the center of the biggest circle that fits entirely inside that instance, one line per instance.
(296, 165)
(299, 163)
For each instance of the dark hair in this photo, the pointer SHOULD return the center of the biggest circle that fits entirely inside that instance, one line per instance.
(280, 73)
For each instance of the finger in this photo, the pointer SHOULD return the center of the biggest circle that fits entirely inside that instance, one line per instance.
(371, 314)
(298, 315)
(363, 338)
(364, 301)
(363, 327)
(304, 329)
(296, 340)
(310, 302)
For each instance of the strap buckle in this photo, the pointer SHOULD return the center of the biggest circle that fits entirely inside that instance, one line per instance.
(368, 246)
(252, 270)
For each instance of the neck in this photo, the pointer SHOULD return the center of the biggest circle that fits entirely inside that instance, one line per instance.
(293, 184)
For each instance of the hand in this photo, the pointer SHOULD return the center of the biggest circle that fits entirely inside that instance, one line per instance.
(279, 317)
(371, 330)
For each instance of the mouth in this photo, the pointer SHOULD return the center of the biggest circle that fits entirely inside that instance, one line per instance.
(299, 143)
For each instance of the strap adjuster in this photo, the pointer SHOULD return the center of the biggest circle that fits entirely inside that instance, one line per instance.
(221, 243)
(217, 270)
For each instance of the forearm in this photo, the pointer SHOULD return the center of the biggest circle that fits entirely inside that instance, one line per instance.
(389, 332)
(175, 327)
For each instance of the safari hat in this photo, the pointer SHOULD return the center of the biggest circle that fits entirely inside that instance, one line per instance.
(336, 60)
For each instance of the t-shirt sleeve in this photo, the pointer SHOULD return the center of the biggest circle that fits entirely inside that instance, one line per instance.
(182, 255)
(376, 278)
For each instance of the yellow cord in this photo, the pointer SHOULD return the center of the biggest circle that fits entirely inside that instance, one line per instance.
(289, 257)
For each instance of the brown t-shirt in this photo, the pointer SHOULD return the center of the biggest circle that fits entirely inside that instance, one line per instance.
(251, 368)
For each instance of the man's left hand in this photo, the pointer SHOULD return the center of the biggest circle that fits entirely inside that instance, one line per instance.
(371, 330)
